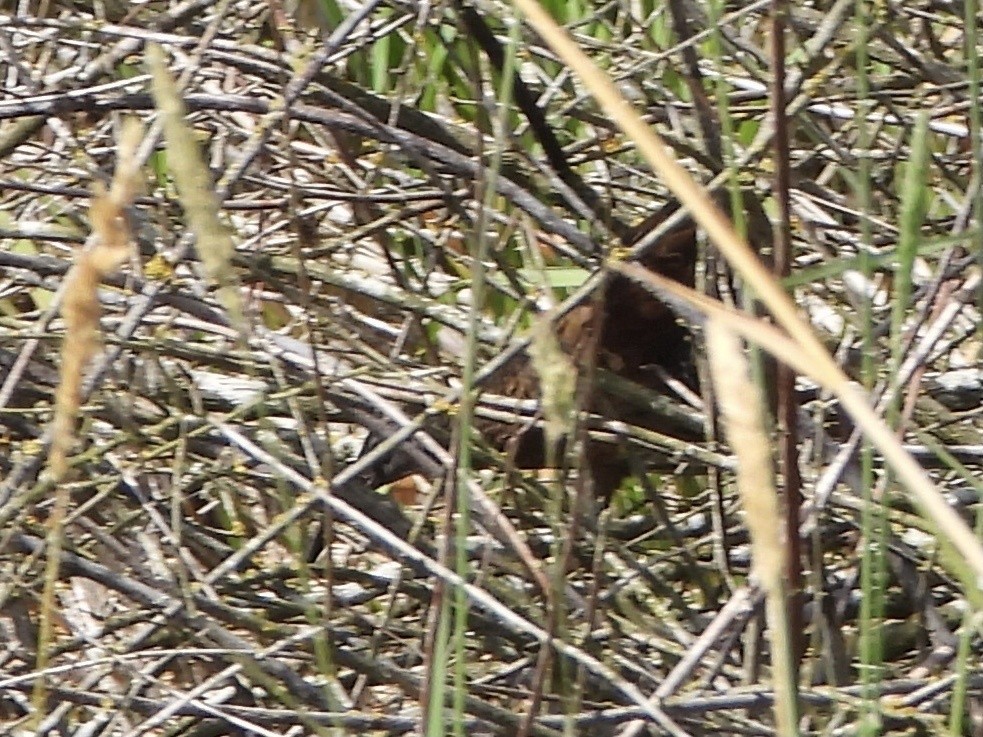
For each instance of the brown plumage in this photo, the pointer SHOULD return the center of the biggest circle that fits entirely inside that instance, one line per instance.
(624, 331)
(638, 335)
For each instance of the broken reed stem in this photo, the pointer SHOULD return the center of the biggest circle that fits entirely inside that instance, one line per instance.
(742, 410)
(107, 250)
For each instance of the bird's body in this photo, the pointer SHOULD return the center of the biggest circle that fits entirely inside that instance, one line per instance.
(623, 330)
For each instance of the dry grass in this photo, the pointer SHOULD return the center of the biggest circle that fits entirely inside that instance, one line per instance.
(318, 282)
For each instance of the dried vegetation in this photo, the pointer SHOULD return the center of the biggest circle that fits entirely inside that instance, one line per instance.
(196, 446)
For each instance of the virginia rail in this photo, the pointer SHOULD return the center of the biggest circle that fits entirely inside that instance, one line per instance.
(640, 340)
(639, 335)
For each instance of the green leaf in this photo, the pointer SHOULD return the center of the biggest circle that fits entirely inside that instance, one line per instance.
(558, 277)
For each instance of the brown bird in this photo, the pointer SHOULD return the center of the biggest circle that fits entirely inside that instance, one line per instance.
(623, 330)
(638, 335)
